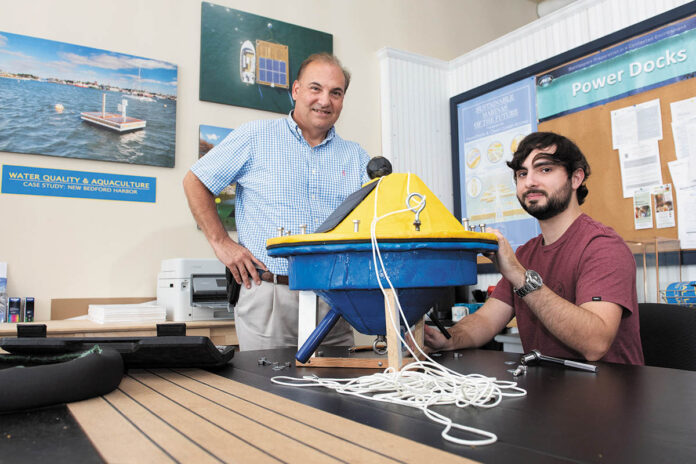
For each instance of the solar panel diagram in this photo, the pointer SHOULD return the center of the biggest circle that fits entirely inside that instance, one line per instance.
(271, 64)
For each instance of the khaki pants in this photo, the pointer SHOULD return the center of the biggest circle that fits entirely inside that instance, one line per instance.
(266, 317)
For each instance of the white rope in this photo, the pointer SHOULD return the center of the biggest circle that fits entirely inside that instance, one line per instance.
(420, 384)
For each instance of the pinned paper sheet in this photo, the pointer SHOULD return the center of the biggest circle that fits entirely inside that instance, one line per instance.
(684, 109)
(685, 188)
(686, 197)
(635, 124)
(684, 133)
(664, 206)
(684, 127)
(640, 167)
(679, 170)
(642, 210)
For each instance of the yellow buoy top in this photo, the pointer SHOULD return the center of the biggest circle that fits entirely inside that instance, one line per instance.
(385, 206)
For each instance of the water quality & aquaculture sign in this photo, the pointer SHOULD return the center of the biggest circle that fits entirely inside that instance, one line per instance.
(25, 180)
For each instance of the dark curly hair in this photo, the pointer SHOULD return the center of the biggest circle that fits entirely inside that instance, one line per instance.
(567, 154)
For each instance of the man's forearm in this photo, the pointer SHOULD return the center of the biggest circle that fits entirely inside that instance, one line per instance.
(471, 332)
(480, 328)
(575, 326)
(202, 205)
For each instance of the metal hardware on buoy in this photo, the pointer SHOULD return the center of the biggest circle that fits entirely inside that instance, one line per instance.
(356, 225)
(416, 209)
(381, 339)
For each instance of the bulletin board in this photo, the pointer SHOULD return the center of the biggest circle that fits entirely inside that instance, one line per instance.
(590, 126)
(591, 130)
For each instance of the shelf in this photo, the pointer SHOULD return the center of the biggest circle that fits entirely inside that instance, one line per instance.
(653, 247)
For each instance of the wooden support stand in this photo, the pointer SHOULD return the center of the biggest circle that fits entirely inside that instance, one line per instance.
(394, 356)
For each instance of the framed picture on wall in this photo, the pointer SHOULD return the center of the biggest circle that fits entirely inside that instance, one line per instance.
(66, 100)
(251, 61)
(224, 202)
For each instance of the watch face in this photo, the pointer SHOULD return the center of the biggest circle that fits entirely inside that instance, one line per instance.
(534, 278)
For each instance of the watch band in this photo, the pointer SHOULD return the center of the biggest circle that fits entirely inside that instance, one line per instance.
(532, 282)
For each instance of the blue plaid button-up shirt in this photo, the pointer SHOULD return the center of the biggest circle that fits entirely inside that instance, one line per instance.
(281, 180)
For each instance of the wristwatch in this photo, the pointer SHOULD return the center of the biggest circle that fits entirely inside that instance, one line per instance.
(532, 281)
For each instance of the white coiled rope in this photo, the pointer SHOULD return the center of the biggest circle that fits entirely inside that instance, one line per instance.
(420, 384)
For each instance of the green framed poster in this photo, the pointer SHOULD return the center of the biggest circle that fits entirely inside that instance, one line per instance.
(251, 61)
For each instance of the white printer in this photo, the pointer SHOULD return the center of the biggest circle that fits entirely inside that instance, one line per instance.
(193, 290)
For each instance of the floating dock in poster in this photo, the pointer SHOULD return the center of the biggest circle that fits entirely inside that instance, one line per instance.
(117, 122)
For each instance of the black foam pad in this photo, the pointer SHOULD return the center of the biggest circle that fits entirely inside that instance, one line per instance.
(30, 387)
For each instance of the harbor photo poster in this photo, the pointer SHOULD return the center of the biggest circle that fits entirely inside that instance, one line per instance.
(66, 100)
(251, 61)
(209, 136)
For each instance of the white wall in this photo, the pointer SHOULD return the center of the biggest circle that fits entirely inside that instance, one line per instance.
(73, 248)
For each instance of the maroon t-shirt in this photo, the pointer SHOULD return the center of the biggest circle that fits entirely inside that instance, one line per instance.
(589, 262)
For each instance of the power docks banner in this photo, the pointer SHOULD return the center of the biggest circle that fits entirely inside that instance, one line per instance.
(657, 59)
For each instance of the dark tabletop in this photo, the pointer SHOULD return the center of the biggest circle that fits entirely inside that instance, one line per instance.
(630, 414)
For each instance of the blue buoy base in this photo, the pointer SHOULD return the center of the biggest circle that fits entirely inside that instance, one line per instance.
(364, 309)
(406, 269)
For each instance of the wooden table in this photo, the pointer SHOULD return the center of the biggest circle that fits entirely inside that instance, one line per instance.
(622, 414)
(220, 332)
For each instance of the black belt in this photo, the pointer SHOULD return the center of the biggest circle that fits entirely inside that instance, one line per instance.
(268, 276)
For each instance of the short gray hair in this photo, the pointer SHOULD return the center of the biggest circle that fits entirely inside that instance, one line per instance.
(326, 58)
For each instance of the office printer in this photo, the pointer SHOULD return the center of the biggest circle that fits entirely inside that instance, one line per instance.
(193, 290)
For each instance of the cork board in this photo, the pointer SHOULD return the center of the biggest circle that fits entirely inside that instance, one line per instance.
(591, 128)
(591, 131)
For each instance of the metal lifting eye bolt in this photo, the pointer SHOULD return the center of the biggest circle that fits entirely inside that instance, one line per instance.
(417, 208)
(465, 223)
(379, 346)
(280, 231)
(356, 225)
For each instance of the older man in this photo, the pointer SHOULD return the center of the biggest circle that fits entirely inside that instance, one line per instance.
(290, 172)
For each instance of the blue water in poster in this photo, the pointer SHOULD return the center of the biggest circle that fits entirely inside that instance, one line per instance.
(26, 180)
(30, 124)
(68, 100)
(490, 128)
